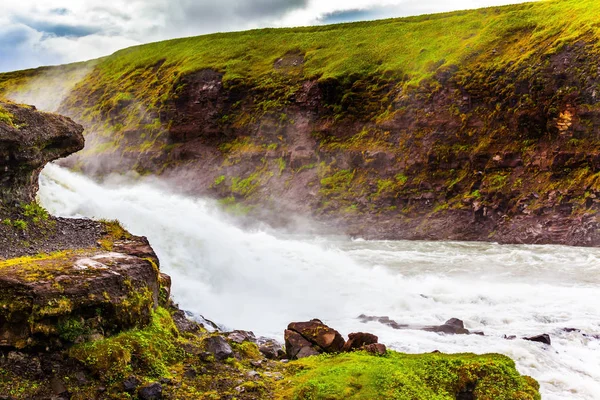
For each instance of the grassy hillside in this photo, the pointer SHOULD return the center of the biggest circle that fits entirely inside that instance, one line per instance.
(407, 49)
(487, 115)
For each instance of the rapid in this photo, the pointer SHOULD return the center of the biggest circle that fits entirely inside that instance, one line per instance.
(262, 280)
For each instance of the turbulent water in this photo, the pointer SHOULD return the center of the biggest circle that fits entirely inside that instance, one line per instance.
(260, 281)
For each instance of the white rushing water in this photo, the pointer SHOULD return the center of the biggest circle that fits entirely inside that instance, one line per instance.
(261, 281)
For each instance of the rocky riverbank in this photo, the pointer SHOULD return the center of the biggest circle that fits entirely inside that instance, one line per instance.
(85, 313)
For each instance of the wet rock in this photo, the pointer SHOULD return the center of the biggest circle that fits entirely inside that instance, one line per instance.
(131, 384)
(184, 324)
(241, 337)
(376, 349)
(453, 326)
(545, 339)
(317, 333)
(218, 346)
(151, 392)
(383, 320)
(358, 340)
(270, 348)
(296, 346)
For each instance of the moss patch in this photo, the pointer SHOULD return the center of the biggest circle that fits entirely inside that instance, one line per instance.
(411, 377)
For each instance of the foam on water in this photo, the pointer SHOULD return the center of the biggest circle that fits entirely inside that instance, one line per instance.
(260, 281)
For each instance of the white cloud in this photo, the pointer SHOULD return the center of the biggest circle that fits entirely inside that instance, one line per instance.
(42, 32)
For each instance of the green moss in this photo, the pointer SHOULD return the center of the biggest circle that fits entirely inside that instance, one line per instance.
(71, 329)
(148, 351)
(6, 117)
(401, 376)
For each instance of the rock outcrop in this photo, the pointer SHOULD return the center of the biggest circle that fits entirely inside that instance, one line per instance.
(306, 339)
(29, 140)
(53, 301)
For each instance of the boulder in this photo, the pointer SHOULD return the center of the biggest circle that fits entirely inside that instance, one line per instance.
(453, 326)
(50, 301)
(131, 384)
(218, 347)
(376, 349)
(270, 348)
(545, 339)
(151, 392)
(317, 333)
(357, 340)
(296, 346)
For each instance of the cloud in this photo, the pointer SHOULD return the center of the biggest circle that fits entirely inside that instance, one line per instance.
(45, 32)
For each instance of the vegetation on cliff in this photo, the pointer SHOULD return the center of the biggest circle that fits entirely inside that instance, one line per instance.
(466, 125)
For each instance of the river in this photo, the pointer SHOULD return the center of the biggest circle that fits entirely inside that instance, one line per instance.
(262, 280)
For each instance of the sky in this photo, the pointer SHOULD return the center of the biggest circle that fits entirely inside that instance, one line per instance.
(49, 32)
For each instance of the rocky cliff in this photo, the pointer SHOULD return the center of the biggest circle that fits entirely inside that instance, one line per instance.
(479, 125)
(86, 314)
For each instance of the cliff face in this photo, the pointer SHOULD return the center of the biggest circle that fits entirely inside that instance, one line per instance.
(28, 141)
(479, 125)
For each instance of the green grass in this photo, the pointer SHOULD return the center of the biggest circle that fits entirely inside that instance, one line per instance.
(402, 376)
(149, 350)
(6, 117)
(409, 49)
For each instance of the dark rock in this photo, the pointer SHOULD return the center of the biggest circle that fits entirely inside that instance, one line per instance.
(205, 356)
(376, 348)
(151, 392)
(58, 387)
(184, 324)
(467, 393)
(23, 365)
(383, 320)
(545, 339)
(317, 333)
(131, 384)
(296, 346)
(358, 340)
(453, 326)
(25, 148)
(271, 348)
(218, 346)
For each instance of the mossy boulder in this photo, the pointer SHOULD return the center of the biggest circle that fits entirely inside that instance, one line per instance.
(54, 300)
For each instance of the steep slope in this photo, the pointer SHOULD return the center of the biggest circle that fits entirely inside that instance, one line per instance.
(477, 125)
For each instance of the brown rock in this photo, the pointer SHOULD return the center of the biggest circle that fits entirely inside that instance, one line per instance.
(376, 348)
(296, 346)
(358, 340)
(40, 313)
(317, 333)
(28, 144)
